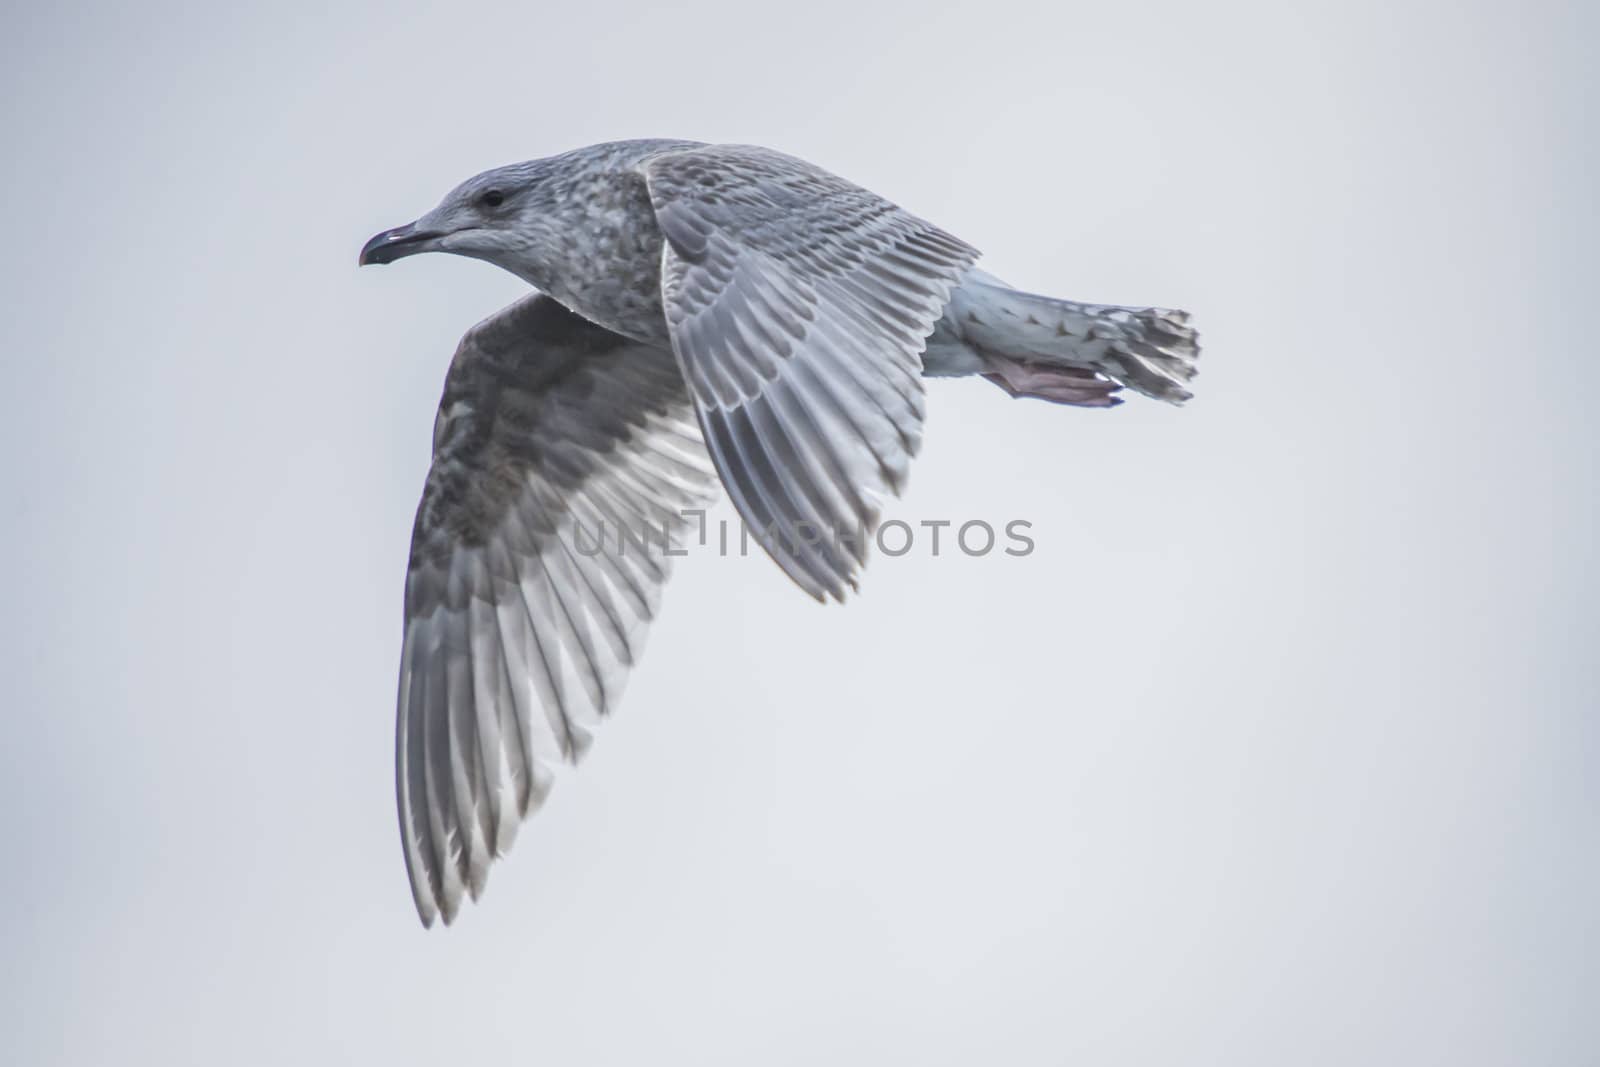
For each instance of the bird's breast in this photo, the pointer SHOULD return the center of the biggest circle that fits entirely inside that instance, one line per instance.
(607, 267)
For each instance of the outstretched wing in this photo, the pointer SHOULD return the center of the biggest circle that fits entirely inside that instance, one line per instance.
(564, 456)
(798, 306)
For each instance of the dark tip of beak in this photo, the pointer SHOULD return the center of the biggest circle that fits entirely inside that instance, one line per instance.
(394, 244)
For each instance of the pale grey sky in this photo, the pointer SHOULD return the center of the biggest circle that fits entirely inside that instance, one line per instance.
(1281, 748)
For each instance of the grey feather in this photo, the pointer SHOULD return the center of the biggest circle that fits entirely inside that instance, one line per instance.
(795, 300)
(516, 643)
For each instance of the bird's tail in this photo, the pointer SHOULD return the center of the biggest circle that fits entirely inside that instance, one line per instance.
(1074, 353)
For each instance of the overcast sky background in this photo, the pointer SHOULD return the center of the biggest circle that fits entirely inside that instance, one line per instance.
(1280, 748)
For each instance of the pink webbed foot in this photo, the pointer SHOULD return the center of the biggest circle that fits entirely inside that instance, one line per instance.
(1059, 385)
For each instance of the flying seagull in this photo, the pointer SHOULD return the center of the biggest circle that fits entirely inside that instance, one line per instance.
(695, 302)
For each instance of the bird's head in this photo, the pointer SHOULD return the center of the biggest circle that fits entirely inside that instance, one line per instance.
(493, 216)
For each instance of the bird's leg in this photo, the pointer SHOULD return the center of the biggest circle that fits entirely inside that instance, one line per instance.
(1058, 384)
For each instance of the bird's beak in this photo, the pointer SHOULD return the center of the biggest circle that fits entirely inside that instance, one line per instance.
(398, 243)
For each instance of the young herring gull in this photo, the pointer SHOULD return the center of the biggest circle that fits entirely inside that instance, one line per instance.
(719, 302)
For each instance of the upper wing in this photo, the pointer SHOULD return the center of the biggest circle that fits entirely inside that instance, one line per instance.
(798, 306)
(564, 456)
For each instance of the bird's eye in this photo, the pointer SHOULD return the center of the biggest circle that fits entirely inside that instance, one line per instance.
(492, 198)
